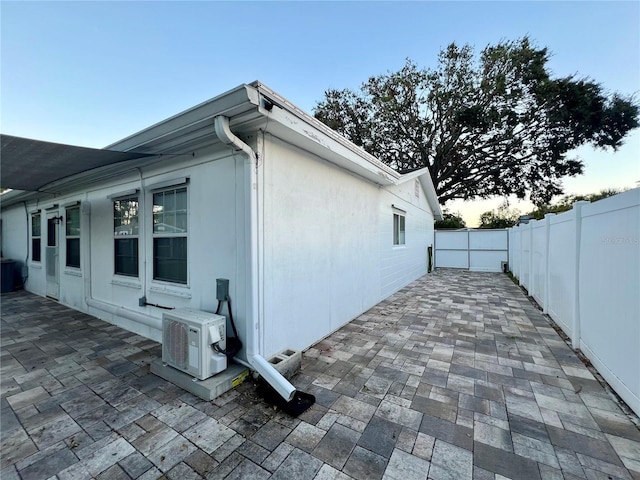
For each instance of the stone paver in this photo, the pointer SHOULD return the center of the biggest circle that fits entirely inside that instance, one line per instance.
(456, 376)
(403, 466)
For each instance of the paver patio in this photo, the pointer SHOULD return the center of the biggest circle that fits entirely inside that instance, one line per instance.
(457, 376)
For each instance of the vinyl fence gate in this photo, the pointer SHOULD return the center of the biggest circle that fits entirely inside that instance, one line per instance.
(481, 250)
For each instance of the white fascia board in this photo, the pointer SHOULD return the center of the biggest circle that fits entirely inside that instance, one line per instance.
(406, 177)
(229, 104)
(432, 196)
(12, 197)
(295, 119)
(242, 101)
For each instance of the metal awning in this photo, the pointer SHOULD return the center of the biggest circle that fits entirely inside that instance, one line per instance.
(30, 165)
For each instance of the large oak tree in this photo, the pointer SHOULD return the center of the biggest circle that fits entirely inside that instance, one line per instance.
(494, 124)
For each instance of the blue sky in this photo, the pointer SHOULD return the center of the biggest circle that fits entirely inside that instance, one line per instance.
(90, 73)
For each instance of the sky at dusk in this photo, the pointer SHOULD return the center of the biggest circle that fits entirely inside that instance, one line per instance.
(90, 73)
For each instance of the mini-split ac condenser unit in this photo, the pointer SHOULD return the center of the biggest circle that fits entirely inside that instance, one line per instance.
(188, 337)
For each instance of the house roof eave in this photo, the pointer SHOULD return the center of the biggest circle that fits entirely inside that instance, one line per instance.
(424, 177)
(330, 138)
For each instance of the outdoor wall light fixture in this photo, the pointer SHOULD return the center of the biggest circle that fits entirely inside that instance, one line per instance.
(57, 220)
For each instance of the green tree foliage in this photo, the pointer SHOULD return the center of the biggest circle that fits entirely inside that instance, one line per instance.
(450, 220)
(503, 217)
(487, 125)
(566, 202)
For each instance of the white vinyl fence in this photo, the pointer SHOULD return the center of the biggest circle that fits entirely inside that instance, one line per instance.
(583, 269)
(480, 250)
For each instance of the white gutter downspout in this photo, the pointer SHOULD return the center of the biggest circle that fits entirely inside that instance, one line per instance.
(256, 361)
(119, 311)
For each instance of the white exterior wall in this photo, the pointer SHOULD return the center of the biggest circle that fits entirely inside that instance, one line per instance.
(17, 243)
(592, 284)
(400, 265)
(328, 245)
(215, 236)
(16, 234)
(215, 233)
(326, 250)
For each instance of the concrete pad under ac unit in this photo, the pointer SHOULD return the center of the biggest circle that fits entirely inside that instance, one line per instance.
(208, 389)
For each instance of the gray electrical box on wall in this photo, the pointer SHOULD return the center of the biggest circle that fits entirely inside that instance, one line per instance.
(222, 289)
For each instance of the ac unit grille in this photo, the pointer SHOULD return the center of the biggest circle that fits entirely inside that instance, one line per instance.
(177, 344)
(186, 342)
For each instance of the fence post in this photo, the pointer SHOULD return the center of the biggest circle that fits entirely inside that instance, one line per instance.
(435, 248)
(511, 262)
(577, 218)
(518, 245)
(547, 275)
(468, 249)
(508, 248)
(521, 231)
(530, 287)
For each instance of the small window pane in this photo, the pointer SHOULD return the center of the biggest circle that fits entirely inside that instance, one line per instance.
(52, 240)
(125, 217)
(395, 229)
(158, 201)
(168, 206)
(398, 229)
(181, 221)
(73, 222)
(73, 252)
(36, 242)
(181, 199)
(35, 225)
(170, 259)
(36, 252)
(170, 201)
(126, 256)
(158, 222)
(170, 222)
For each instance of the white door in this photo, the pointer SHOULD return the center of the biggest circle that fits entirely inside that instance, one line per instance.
(52, 262)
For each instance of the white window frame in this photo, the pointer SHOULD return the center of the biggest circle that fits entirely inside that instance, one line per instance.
(399, 228)
(72, 237)
(38, 237)
(127, 198)
(158, 235)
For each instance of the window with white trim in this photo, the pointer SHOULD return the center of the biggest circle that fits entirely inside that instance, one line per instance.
(125, 234)
(36, 237)
(398, 228)
(170, 235)
(72, 223)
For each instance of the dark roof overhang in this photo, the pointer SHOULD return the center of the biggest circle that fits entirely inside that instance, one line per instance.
(31, 165)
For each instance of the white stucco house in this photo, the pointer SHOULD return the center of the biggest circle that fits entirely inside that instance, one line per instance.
(309, 229)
